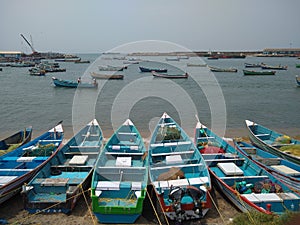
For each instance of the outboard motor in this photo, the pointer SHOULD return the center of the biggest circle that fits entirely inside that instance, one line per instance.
(197, 195)
(175, 195)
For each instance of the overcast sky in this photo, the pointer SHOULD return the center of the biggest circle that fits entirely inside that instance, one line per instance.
(78, 26)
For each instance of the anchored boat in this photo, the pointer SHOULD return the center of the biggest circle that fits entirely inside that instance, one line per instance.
(59, 184)
(15, 140)
(178, 173)
(21, 164)
(119, 182)
(283, 169)
(246, 184)
(273, 142)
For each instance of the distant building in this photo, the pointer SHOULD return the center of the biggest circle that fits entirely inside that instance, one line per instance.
(10, 54)
(281, 51)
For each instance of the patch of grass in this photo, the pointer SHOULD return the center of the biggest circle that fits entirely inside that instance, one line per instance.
(258, 218)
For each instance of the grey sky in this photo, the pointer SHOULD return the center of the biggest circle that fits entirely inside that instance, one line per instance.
(76, 26)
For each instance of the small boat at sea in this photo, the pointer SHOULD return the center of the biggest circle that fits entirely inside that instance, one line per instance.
(298, 81)
(21, 164)
(283, 169)
(252, 65)
(59, 184)
(15, 140)
(82, 61)
(148, 69)
(247, 185)
(196, 65)
(73, 84)
(269, 67)
(37, 72)
(155, 74)
(111, 68)
(107, 76)
(263, 72)
(217, 69)
(172, 59)
(119, 181)
(273, 142)
(178, 173)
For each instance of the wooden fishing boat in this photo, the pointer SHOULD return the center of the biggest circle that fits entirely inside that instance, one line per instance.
(37, 72)
(82, 61)
(58, 185)
(178, 173)
(119, 181)
(111, 68)
(252, 65)
(247, 185)
(253, 72)
(196, 65)
(21, 164)
(283, 169)
(158, 70)
(217, 69)
(272, 142)
(15, 140)
(155, 74)
(107, 76)
(298, 81)
(172, 59)
(269, 67)
(73, 84)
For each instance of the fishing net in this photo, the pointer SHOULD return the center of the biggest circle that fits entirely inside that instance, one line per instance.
(168, 133)
(41, 150)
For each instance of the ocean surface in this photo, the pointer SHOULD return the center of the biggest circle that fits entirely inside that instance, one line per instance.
(222, 101)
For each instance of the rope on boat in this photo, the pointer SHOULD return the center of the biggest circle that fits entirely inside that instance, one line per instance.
(87, 204)
(248, 212)
(213, 201)
(156, 214)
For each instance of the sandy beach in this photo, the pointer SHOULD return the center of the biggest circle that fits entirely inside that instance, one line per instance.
(12, 211)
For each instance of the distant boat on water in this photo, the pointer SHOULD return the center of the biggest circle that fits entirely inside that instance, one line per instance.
(196, 65)
(217, 69)
(252, 65)
(107, 76)
(267, 67)
(185, 75)
(172, 59)
(148, 69)
(73, 84)
(253, 72)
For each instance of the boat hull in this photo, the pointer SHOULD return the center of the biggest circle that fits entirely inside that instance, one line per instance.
(259, 142)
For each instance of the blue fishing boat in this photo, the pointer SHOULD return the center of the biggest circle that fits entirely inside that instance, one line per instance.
(178, 173)
(147, 69)
(15, 140)
(285, 170)
(73, 84)
(58, 185)
(119, 181)
(21, 164)
(273, 142)
(246, 184)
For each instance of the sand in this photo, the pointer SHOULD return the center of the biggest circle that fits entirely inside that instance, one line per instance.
(12, 211)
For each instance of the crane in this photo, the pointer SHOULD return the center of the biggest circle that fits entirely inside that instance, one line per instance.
(32, 49)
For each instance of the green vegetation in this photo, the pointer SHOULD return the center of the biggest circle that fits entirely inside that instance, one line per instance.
(258, 218)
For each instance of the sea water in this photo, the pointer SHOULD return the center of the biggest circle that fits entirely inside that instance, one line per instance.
(220, 100)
